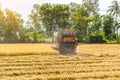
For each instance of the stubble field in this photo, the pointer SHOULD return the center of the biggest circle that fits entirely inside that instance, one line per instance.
(92, 62)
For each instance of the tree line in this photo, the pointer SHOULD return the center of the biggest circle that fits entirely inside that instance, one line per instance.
(47, 19)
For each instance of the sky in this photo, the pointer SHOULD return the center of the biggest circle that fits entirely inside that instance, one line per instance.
(24, 7)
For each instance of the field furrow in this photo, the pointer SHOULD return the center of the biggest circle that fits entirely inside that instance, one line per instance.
(83, 66)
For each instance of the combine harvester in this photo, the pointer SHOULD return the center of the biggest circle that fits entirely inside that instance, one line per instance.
(66, 42)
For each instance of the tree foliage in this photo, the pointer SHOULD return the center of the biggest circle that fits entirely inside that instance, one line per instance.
(114, 9)
(47, 19)
(91, 6)
(13, 25)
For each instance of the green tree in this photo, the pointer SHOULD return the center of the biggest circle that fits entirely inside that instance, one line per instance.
(95, 26)
(96, 33)
(101, 28)
(53, 17)
(13, 25)
(22, 34)
(34, 19)
(91, 6)
(108, 27)
(61, 15)
(2, 23)
(114, 10)
(80, 19)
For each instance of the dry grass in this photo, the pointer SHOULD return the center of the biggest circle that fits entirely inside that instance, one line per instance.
(20, 49)
(59, 67)
(99, 48)
(87, 66)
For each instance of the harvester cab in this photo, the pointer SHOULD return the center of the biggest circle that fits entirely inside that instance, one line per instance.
(66, 42)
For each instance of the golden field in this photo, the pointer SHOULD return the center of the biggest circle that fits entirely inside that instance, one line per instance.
(20, 49)
(92, 62)
(113, 49)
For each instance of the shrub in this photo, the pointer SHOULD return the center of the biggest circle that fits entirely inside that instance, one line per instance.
(96, 39)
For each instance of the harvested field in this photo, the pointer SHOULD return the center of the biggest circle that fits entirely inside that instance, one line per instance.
(95, 49)
(92, 62)
(25, 49)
